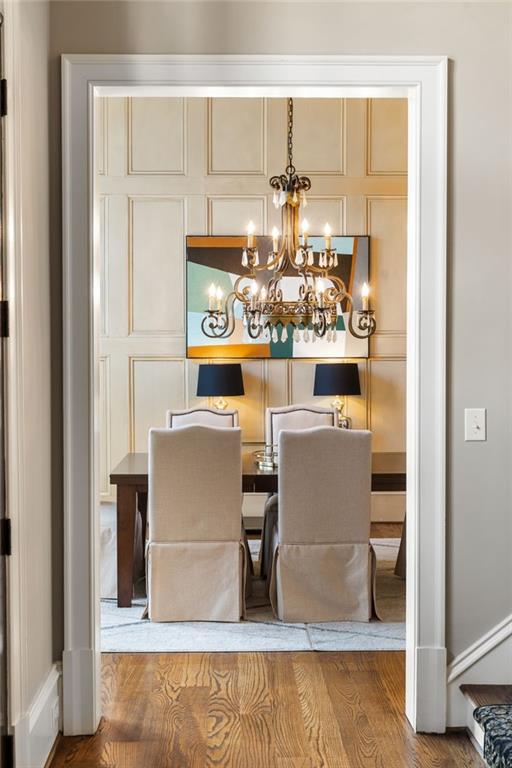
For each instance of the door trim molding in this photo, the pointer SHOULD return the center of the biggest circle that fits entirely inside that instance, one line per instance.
(423, 81)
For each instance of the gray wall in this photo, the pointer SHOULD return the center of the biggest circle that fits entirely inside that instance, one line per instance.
(477, 38)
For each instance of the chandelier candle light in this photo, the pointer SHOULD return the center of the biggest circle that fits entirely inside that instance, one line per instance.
(266, 314)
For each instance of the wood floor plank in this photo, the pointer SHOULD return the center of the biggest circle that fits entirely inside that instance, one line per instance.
(325, 743)
(177, 715)
(288, 726)
(224, 729)
(359, 738)
(258, 710)
(256, 731)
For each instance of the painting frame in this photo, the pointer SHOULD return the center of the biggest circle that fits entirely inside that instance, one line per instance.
(217, 259)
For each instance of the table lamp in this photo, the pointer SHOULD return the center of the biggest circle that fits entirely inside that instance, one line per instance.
(340, 379)
(220, 381)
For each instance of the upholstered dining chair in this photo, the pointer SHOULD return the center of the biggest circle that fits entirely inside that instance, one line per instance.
(297, 417)
(323, 565)
(288, 417)
(195, 553)
(209, 417)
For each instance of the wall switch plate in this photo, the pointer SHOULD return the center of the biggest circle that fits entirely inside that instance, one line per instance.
(475, 427)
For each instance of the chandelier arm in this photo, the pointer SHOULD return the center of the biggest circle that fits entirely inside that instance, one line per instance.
(366, 322)
(220, 323)
(242, 295)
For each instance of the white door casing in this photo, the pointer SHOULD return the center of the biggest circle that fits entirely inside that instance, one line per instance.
(423, 81)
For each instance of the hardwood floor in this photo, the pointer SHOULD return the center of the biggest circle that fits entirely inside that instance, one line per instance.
(258, 710)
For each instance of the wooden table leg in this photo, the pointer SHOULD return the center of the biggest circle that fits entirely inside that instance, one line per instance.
(142, 506)
(126, 511)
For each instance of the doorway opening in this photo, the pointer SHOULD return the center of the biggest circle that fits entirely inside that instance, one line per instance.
(170, 171)
(423, 83)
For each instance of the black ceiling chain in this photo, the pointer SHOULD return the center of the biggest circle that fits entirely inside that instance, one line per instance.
(291, 168)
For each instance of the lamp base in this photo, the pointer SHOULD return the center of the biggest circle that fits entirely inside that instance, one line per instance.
(220, 403)
(343, 421)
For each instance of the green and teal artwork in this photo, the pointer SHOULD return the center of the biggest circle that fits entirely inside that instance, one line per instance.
(217, 261)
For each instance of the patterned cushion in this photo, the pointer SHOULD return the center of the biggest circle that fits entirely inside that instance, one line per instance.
(496, 720)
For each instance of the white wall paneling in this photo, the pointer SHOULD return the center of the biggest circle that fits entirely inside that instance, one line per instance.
(237, 137)
(156, 384)
(387, 227)
(323, 209)
(157, 136)
(229, 215)
(386, 413)
(156, 266)
(386, 154)
(320, 134)
(105, 411)
(168, 167)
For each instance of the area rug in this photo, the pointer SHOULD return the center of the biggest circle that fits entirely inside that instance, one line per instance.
(124, 631)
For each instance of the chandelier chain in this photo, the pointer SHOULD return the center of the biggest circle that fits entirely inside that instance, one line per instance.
(291, 168)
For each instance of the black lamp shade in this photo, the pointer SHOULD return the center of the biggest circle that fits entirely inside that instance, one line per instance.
(220, 380)
(337, 379)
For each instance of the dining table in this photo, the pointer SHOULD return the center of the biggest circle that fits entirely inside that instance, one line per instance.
(130, 477)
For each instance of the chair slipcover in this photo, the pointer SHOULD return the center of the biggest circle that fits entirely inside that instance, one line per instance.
(297, 417)
(323, 566)
(195, 553)
(208, 417)
(289, 417)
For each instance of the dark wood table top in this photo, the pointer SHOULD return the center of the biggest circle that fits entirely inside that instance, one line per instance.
(388, 472)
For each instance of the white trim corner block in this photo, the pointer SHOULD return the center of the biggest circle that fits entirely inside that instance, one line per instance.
(423, 81)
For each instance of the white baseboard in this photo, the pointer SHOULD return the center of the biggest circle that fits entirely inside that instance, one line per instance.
(37, 729)
(81, 701)
(430, 706)
(487, 661)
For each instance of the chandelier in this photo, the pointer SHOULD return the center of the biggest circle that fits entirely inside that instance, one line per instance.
(266, 314)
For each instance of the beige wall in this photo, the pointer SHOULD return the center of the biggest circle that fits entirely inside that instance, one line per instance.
(477, 38)
(171, 167)
(40, 639)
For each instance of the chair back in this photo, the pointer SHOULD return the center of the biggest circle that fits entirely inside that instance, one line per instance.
(324, 486)
(208, 417)
(297, 417)
(195, 484)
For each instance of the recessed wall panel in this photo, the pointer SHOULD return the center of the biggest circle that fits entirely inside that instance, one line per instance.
(326, 210)
(387, 404)
(156, 265)
(387, 137)
(319, 136)
(230, 215)
(156, 385)
(156, 136)
(387, 227)
(237, 136)
(104, 415)
(251, 407)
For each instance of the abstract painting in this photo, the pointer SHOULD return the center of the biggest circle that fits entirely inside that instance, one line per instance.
(217, 260)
